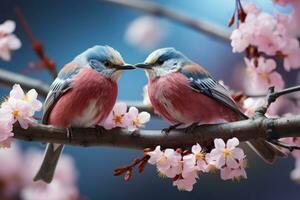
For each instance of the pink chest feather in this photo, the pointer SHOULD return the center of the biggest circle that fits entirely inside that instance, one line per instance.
(88, 102)
(173, 99)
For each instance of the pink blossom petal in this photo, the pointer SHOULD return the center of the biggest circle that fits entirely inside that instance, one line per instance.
(13, 43)
(219, 144)
(133, 111)
(220, 162)
(231, 162)
(120, 108)
(196, 149)
(144, 117)
(17, 92)
(238, 154)
(232, 143)
(7, 27)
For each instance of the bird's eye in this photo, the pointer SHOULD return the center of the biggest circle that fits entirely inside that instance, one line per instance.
(107, 64)
(160, 62)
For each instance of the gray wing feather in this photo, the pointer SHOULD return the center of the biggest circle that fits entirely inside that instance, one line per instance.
(57, 89)
(205, 84)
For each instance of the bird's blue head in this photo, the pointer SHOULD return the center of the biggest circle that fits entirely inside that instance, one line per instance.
(162, 62)
(103, 59)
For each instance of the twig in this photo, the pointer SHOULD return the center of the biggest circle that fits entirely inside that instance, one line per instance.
(272, 96)
(286, 146)
(201, 26)
(37, 46)
(127, 170)
(244, 130)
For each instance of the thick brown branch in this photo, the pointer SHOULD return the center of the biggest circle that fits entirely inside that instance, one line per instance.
(204, 135)
(202, 26)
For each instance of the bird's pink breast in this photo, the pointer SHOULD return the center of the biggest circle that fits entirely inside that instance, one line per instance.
(87, 87)
(173, 99)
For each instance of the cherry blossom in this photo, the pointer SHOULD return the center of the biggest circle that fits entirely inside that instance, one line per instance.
(8, 41)
(63, 185)
(292, 55)
(168, 163)
(56, 190)
(136, 120)
(263, 75)
(17, 170)
(184, 168)
(142, 32)
(5, 128)
(185, 184)
(11, 170)
(295, 174)
(30, 97)
(227, 154)
(117, 117)
(270, 34)
(22, 106)
(236, 173)
(293, 141)
(251, 105)
(195, 161)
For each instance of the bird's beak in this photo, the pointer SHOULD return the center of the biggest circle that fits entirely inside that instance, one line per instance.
(124, 67)
(143, 66)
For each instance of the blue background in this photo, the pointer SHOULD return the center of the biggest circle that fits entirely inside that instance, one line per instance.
(67, 27)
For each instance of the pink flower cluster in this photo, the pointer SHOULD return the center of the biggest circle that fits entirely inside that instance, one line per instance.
(17, 170)
(262, 76)
(184, 168)
(131, 120)
(269, 34)
(8, 41)
(18, 107)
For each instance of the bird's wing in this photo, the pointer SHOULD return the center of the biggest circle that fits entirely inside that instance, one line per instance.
(202, 82)
(60, 86)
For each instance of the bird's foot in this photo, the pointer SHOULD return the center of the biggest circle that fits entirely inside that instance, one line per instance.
(166, 131)
(69, 134)
(135, 133)
(100, 130)
(191, 128)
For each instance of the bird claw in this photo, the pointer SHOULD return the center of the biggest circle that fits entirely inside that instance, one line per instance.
(69, 134)
(135, 134)
(100, 130)
(191, 128)
(166, 131)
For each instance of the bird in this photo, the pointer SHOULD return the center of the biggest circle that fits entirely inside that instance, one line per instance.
(82, 95)
(182, 92)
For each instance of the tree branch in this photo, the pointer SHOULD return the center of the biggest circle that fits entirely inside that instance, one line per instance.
(244, 130)
(36, 45)
(8, 79)
(205, 27)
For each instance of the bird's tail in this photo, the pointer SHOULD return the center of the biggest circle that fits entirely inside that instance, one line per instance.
(267, 151)
(46, 171)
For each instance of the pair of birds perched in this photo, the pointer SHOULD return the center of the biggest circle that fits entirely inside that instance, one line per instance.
(181, 91)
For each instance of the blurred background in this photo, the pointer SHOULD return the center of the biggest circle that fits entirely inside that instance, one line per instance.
(67, 28)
